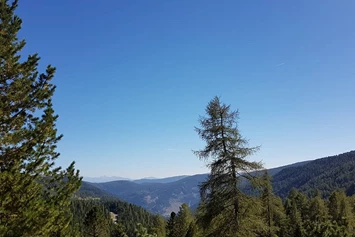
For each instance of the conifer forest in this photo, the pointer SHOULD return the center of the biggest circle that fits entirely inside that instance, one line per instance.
(38, 198)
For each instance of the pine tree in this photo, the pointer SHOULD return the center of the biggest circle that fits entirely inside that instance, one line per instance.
(224, 208)
(272, 209)
(34, 193)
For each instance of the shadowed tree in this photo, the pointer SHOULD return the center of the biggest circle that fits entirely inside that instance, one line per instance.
(171, 225)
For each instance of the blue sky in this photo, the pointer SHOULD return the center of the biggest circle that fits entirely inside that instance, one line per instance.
(133, 77)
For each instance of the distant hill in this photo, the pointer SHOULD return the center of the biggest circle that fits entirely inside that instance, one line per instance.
(103, 179)
(162, 198)
(88, 190)
(126, 213)
(160, 180)
(325, 174)
(163, 195)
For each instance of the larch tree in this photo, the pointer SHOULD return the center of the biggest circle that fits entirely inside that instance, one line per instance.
(224, 209)
(34, 193)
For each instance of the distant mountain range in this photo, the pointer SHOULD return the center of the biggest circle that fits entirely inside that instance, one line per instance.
(160, 180)
(166, 195)
(103, 179)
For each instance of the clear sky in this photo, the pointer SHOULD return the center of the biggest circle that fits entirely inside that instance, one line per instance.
(133, 77)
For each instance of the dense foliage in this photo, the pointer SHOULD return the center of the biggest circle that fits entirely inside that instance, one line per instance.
(110, 216)
(297, 216)
(34, 193)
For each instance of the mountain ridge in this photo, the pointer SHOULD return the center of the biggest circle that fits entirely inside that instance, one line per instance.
(163, 198)
(307, 176)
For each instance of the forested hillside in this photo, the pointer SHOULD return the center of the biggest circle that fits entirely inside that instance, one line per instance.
(111, 216)
(161, 198)
(326, 175)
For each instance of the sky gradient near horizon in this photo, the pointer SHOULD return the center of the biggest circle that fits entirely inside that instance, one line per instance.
(134, 76)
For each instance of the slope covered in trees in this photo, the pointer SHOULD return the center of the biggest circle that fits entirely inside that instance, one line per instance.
(111, 216)
(161, 198)
(326, 174)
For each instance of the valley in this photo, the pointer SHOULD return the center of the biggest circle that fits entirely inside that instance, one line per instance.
(323, 174)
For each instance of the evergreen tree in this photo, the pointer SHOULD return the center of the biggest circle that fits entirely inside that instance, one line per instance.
(224, 209)
(96, 223)
(317, 223)
(34, 193)
(117, 230)
(272, 209)
(171, 225)
(141, 231)
(159, 226)
(340, 211)
(293, 226)
(192, 231)
(182, 221)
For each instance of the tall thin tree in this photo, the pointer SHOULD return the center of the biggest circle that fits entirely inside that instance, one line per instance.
(224, 208)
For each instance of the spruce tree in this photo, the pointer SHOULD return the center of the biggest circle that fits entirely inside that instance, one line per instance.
(224, 209)
(34, 193)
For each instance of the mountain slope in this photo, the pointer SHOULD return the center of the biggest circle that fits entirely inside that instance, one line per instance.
(325, 174)
(125, 213)
(163, 198)
(87, 190)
